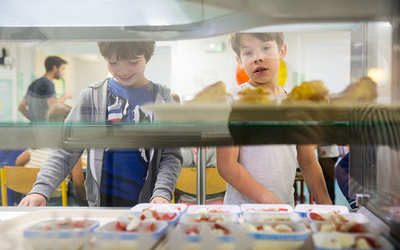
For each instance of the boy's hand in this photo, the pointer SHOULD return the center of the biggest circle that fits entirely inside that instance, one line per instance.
(33, 200)
(159, 200)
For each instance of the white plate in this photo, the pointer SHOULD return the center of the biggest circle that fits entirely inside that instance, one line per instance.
(191, 112)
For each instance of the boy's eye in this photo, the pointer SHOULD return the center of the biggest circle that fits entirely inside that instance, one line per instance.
(133, 63)
(267, 48)
(112, 63)
(247, 53)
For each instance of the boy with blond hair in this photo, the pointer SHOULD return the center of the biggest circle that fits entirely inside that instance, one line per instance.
(265, 174)
(119, 178)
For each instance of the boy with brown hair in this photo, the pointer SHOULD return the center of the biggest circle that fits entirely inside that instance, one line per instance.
(265, 174)
(119, 178)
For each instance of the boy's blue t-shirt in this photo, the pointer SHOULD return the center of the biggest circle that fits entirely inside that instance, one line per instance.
(124, 171)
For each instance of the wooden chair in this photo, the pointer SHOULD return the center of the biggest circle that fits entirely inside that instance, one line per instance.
(187, 181)
(21, 180)
(299, 178)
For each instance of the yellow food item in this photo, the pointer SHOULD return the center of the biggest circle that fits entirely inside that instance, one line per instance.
(309, 91)
(364, 90)
(213, 93)
(249, 95)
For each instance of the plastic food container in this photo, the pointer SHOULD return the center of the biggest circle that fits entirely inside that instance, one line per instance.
(203, 238)
(58, 234)
(322, 241)
(195, 209)
(316, 227)
(277, 217)
(209, 218)
(303, 209)
(109, 237)
(266, 208)
(263, 240)
(171, 222)
(165, 208)
(351, 217)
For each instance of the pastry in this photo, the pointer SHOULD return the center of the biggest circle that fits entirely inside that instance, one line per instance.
(213, 93)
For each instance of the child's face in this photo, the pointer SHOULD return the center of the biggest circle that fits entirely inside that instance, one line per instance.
(128, 73)
(260, 59)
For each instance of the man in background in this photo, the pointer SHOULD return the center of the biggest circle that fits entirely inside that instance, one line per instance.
(41, 94)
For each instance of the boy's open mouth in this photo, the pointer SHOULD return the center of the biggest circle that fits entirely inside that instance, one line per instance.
(125, 77)
(259, 70)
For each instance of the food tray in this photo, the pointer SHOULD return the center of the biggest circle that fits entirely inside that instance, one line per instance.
(230, 217)
(195, 209)
(315, 227)
(256, 217)
(11, 231)
(109, 238)
(292, 241)
(321, 238)
(357, 217)
(181, 208)
(125, 217)
(38, 237)
(250, 208)
(303, 209)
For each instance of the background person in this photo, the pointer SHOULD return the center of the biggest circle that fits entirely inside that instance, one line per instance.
(41, 94)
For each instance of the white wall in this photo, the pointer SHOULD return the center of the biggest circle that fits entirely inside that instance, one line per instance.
(184, 66)
(193, 68)
(313, 56)
(319, 56)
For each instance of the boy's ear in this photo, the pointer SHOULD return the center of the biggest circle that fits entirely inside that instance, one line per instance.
(282, 52)
(239, 62)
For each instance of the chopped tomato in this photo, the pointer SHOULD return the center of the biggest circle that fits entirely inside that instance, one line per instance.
(192, 230)
(151, 228)
(260, 228)
(155, 215)
(218, 226)
(142, 217)
(315, 216)
(147, 208)
(120, 226)
(167, 217)
(79, 224)
(357, 228)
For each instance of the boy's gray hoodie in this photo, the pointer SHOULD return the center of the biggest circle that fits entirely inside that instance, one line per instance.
(91, 106)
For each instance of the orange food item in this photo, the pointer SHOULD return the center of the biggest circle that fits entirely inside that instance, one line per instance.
(364, 90)
(249, 95)
(314, 91)
(212, 93)
(315, 216)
